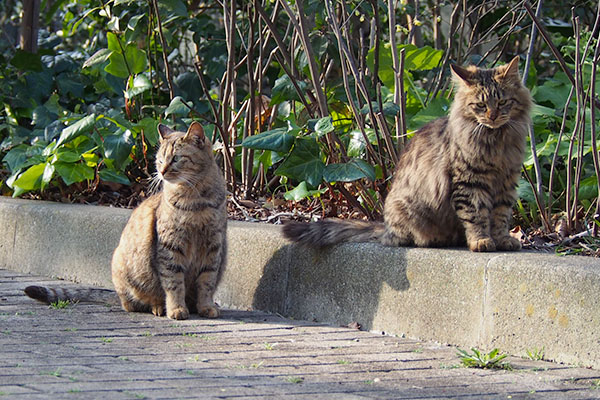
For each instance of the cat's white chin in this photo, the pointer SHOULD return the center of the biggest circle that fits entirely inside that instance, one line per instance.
(493, 125)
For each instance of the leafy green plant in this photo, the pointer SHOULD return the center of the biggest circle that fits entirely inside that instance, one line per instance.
(479, 359)
(61, 304)
(294, 379)
(535, 354)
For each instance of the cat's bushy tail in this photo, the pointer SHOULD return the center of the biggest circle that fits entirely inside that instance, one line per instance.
(332, 231)
(50, 295)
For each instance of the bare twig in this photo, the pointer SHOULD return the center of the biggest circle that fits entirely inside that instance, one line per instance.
(163, 43)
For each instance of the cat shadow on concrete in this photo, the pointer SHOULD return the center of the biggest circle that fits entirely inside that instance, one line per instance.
(340, 284)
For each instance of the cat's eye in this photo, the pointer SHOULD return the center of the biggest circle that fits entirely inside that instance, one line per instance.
(481, 105)
(176, 158)
(502, 102)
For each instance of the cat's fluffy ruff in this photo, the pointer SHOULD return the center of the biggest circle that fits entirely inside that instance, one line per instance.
(456, 180)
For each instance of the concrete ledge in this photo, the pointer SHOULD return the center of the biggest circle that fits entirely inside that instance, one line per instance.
(515, 301)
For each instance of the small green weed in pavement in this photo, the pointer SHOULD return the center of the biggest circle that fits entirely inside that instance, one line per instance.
(269, 346)
(57, 373)
(535, 354)
(344, 362)
(106, 340)
(478, 359)
(61, 304)
(294, 379)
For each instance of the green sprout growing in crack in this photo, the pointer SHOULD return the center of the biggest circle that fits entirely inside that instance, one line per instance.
(61, 304)
(479, 359)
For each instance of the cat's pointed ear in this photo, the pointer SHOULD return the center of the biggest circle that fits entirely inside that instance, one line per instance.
(195, 131)
(164, 131)
(511, 70)
(462, 75)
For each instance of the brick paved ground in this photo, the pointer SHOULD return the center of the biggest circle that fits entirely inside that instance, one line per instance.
(94, 351)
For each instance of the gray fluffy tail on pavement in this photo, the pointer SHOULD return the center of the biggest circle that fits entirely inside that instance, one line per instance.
(50, 295)
(332, 231)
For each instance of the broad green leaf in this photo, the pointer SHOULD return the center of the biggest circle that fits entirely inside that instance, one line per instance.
(179, 107)
(66, 155)
(16, 157)
(324, 126)
(136, 58)
(588, 188)
(436, 108)
(98, 57)
(348, 172)
(32, 178)
(133, 61)
(112, 175)
(113, 42)
(284, 90)
(26, 61)
(80, 127)
(118, 147)
(91, 159)
(73, 173)
(301, 192)
(140, 84)
(304, 162)
(415, 59)
(47, 175)
(175, 7)
(148, 125)
(276, 140)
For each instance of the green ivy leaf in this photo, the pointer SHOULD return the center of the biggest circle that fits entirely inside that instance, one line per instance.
(66, 155)
(136, 61)
(301, 192)
(31, 179)
(415, 59)
(26, 61)
(148, 125)
(304, 162)
(98, 57)
(324, 126)
(118, 147)
(140, 85)
(80, 127)
(276, 140)
(112, 175)
(73, 173)
(47, 175)
(179, 107)
(284, 90)
(16, 157)
(348, 172)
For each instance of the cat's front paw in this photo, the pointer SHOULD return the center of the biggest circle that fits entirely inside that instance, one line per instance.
(486, 244)
(508, 243)
(209, 311)
(178, 313)
(158, 310)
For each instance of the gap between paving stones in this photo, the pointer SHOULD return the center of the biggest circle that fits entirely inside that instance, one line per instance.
(514, 301)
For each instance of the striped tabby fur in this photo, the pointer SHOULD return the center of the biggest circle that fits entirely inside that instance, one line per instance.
(456, 180)
(172, 251)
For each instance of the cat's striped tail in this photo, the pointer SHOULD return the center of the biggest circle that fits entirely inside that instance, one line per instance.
(51, 295)
(332, 231)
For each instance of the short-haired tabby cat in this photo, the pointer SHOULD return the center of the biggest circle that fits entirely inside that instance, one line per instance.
(456, 180)
(172, 251)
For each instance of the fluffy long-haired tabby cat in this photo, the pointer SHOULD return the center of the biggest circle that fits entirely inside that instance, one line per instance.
(456, 180)
(172, 251)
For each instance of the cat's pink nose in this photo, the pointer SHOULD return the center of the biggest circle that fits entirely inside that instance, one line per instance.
(493, 115)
